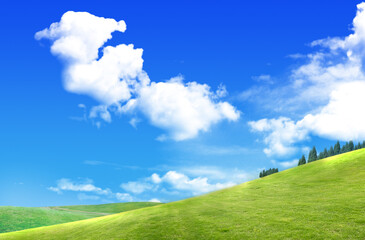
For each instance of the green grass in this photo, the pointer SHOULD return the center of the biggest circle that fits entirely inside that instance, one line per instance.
(321, 200)
(19, 218)
(110, 208)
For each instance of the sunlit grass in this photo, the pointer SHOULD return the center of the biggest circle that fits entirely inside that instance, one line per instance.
(321, 200)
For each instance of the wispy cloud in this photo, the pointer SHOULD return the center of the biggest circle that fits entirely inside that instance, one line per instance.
(192, 181)
(86, 186)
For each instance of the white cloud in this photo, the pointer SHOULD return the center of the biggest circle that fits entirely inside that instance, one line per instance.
(79, 35)
(102, 112)
(221, 91)
(266, 78)
(136, 187)
(83, 196)
(118, 82)
(65, 184)
(333, 82)
(189, 181)
(342, 118)
(286, 164)
(124, 197)
(183, 109)
(77, 39)
(280, 135)
(134, 121)
(179, 181)
(155, 178)
(155, 200)
(87, 186)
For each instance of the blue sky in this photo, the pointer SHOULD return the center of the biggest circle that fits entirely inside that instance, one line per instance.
(226, 89)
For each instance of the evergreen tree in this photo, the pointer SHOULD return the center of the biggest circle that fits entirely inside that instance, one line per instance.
(331, 152)
(312, 155)
(343, 149)
(347, 147)
(351, 146)
(337, 148)
(302, 161)
(268, 172)
(325, 153)
(357, 146)
(320, 156)
(363, 144)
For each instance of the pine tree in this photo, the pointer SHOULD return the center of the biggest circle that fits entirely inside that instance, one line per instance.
(302, 161)
(347, 147)
(343, 149)
(331, 152)
(351, 146)
(337, 148)
(325, 153)
(312, 155)
(363, 144)
(320, 156)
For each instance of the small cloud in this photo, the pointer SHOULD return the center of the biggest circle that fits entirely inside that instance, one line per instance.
(102, 112)
(155, 200)
(88, 162)
(83, 196)
(124, 197)
(266, 78)
(221, 91)
(136, 187)
(162, 138)
(289, 164)
(297, 56)
(87, 186)
(134, 121)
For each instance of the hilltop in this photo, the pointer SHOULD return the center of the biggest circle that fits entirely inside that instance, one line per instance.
(321, 200)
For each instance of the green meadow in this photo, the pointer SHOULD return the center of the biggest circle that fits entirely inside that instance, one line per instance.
(321, 200)
(19, 218)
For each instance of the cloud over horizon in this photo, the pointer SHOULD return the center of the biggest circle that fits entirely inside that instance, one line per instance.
(333, 83)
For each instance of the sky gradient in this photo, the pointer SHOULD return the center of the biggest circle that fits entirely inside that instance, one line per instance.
(264, 86)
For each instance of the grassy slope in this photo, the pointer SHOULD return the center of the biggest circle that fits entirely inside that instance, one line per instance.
(110, 208)
(321, 200)
(19, 218)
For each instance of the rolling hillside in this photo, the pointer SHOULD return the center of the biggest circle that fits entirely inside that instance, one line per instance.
(19, 218)
(321, 200)
(109, 208)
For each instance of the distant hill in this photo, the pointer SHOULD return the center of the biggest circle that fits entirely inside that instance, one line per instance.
(19, 218)
(324, 199)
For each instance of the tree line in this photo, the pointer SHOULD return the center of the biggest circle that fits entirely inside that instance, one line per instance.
(264, 172)
(333, 150)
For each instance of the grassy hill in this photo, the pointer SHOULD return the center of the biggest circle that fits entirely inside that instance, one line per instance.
(19, 218)
(109, 208)
(321, 200)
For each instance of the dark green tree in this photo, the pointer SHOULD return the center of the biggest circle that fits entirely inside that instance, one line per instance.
(302, 161)
(351, 146)
(331, 152)
(325, 153)
(312, 155)
(337, 148)
(343, 149)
